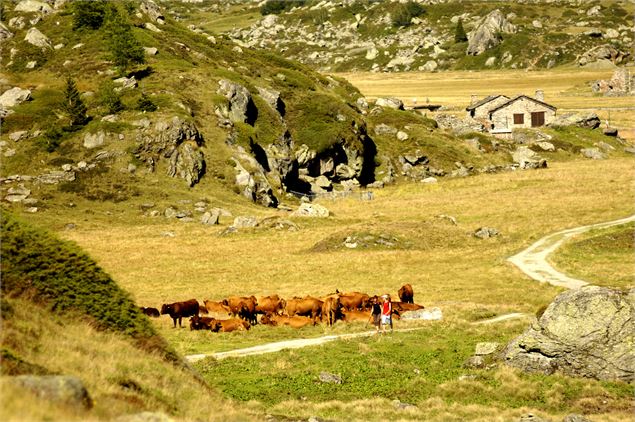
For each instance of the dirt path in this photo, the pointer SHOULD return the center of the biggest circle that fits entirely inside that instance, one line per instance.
(533, 260)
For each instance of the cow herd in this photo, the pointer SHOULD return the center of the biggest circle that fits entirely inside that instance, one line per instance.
(238, 313)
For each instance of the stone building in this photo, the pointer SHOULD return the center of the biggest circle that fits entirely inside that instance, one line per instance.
(480, 109)
(521, 112)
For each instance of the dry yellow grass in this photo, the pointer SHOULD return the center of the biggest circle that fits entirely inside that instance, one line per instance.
(568, 89)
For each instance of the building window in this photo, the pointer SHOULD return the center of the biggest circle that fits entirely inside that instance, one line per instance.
(519, 119)
(537, 118)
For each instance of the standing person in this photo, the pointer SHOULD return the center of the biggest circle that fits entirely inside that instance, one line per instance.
(375, 314)
(386, 313)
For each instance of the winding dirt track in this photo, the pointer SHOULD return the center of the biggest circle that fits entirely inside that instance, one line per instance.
(533, 260)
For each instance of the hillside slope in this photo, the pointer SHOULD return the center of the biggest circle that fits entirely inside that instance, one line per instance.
(392, 36)
(62, 315)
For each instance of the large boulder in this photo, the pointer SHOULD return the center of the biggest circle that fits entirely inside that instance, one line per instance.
(390, 102)
(253, 184)
(586, 332)
(179, 141)
(527, 158)
(153, 11)
(272, 97)
(38, 39)
(68, 390)
(603, 52)
(5, 34)
(14, 96)
(241, 107)
(311, 210)
(487, 32)
(33, 6)
(583, 120)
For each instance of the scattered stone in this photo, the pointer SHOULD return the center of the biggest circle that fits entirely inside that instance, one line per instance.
(17, 194)
(242, 222)
(574, 417)
(328, 378)
(450, 218)
(483, 349)
(38, 39)
(14, 96)
(486, 232)
(391, 102)
(9, 152)
(16, 22)
(168, 234)
(311, 210)
(67, 167)
(145, 417)
(278, 223)
(399, 405)
(475, 362)
(170, 212)
(151, 51)
(546, 146)
(530, 417)
(528, 159)
(210, 218)
(151, 27)
(402, 136)
(70, 226)
(94, 140)
(126, 83)
(33, 6)
(585, 332)
(491, 61)
(153, 11)
(272, 97)
(605, 147)
(19, 135)
(64, 389)
(429, 180)
(429, 66)
(593, 153)
(433, 314)
(610, 131)
(384, 129)
(630, 150)
(30, 65)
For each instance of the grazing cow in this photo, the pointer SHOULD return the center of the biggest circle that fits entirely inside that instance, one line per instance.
(179, 310)
(233, 324)
(280, 320)
(406, 294)
(309, 306)
(331, 309)
(403, 307)
(242, 307)
(354, 300)
(151, 312)
(204, 323)
(216, 308)
(273, 304)
(356, 316)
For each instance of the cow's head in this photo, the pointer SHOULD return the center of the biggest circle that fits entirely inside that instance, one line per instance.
(224, 302)
(167, 309)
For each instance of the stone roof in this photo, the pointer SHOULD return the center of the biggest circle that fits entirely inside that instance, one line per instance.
(484, 101)
(507, 103)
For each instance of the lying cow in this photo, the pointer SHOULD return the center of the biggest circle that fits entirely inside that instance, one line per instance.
(232, 324)
(204, 323)
(403, 307)
(280, 320)
(179, 310)
(355, 316)
(406, 294)
(309, 306)
(242, 307)
(151, 312)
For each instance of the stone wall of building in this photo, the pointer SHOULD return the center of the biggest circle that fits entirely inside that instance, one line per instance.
(482, 112)
(504, 117)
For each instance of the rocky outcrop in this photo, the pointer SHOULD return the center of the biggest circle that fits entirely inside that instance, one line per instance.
(13, 97)
(390, 102)
(176, 140)
(311, 210)
(621, 83)
(603, 52)
(528, 159)
(153, 11)
(38, 39)
(588, 120)
(586, 332)
(487, 33)
(33, 6)
(272, 97)
(68, 390)
(5, 34)
(251, 180)
(240, 106)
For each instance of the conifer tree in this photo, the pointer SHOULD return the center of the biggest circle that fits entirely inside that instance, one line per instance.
(73, 104)
(146, 104)
(124, 47)
(459, 34)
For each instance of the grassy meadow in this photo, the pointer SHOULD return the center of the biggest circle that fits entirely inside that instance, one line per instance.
(467, 278)
(567, 88)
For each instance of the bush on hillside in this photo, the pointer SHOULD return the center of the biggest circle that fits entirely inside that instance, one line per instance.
(406, 12)
(459, 33)
(89, 14)
(274, 7)
(110, 98)
(146, 104)
(73, 105)
(41, 268)
(124, 48)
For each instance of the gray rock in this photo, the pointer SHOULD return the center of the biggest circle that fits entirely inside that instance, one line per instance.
(38, 39)
(33, 6)
(610, 131)
(55, 177)
(170, 212)
(384, 129)
(402, 136)
(574, 417)
(399, 405)
(530, 417)
(5, 34)
(528, 159)
(14, 96)
(153, 11)
(589, 120)
(475, 362)
(253, 184)
(272, 97)
(593, 153)
(546, 146)
(311, 210)
(94, 140)
(605, 52)
(278, 223)
(329, 378)
(126, 83)
(151, 51)
(605, 147)
(241, 107)
(145, 417)
(344, 172)
(210, 218)
(68, 390)
(486, 35)
(269, 21)
(362, 103)
(486, 232)
(151, 27)
(429, 66)
(390, 102)
(630, 150)
(17, 194)
(243, 222)
(486, 348)
(585, 332)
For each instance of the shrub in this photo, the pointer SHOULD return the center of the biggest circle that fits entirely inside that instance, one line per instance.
(110, 98)
(89, 14)
(459, 33)
(146, 104)
(73, 104)
(124, 48)
(274, 7)
(405, 12)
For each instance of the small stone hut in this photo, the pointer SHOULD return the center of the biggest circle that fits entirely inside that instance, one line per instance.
(480, 109)
(522, 112)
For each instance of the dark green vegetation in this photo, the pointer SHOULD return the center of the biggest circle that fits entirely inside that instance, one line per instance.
(73, 105)
(37, 266)
(410, 367)
(278, 6)
(406, 12)
(611, 251)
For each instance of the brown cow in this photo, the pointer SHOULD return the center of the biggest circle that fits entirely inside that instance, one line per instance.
(151, 312)
(354, 300)
(280, 320)
(233, 324)
(331, 309)
(242, 307)
(356, 316)
(403, 307)
(216, 308)
(305, 307)
(204, 323)
(178, 310)
(406, 294)
(270, 304)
